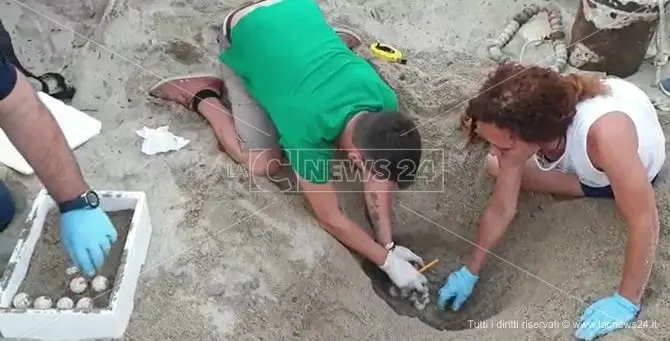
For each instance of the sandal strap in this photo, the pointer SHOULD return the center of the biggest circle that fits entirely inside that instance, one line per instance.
(202, 94)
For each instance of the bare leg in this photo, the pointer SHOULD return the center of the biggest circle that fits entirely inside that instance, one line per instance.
(222, 123)
(266, 162)
(184, 90)
(536, 180)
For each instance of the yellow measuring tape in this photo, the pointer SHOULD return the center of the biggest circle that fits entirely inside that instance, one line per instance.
(388, 53)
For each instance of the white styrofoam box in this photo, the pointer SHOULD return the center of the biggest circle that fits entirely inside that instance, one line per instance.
(77, 128)
(76, 324)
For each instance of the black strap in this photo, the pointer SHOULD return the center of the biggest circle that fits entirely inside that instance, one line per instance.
(202, 94)
(66, 91)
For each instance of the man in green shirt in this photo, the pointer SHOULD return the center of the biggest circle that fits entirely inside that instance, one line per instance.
(294, 84)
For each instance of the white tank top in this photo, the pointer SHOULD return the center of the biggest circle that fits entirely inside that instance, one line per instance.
(625, 97)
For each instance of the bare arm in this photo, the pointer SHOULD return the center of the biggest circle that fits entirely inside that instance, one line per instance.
(497, 216)
(326, 207)
(614, 150)
(36, 135)
(379, 200)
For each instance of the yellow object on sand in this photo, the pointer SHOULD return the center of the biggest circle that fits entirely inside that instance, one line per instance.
(428, 266)
(386, 52)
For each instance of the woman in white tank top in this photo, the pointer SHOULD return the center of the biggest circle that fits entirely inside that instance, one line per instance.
(574, 136)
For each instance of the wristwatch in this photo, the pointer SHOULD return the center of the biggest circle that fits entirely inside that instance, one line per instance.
(88, 199)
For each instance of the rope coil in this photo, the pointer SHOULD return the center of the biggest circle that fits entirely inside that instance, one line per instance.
(557, 36)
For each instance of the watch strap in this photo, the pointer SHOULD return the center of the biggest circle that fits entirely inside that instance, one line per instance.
(75, 204)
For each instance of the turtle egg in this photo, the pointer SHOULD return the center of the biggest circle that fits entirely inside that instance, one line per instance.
(43, 302)
(64, 303)
(71, 271)
(21, 300)
(419, 306)
(78, 285)
(393, 291)
(85, 303)
(100, 283)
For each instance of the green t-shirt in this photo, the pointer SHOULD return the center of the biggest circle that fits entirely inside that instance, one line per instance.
(296, 67)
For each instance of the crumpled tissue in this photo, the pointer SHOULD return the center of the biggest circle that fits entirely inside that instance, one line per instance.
(160, 140)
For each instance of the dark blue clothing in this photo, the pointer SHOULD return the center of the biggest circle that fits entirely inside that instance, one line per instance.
(604, 192)
(7, 77)
(7, 83)
(598, 192)
(7, 208)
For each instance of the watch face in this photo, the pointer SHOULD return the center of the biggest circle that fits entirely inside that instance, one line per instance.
(92, 198)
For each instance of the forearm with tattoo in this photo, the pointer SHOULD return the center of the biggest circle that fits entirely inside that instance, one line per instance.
(378, 204)
(372, 211)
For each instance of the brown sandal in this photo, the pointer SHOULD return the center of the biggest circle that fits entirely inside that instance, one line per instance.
(188, 91)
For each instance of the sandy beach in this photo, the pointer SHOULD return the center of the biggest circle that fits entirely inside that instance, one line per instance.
(234, 261)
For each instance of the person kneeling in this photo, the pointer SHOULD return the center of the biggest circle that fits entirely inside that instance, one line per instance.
(294, 84)
(574, 136)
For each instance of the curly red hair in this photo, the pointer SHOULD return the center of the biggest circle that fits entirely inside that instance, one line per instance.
(537, 104)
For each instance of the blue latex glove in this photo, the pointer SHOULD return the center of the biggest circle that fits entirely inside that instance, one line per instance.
(605, 316)
(87, 236)
(459, 286)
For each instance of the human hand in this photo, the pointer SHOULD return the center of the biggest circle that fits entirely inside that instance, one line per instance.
(406, 254)
(87, 236)
(459, 286)
(605, 316)
(405, 276)
(516, 156)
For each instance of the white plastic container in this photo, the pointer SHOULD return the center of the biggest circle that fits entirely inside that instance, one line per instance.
(71, 325)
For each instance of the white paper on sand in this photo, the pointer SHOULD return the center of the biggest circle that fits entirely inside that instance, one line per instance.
(160, 140)
(76, 126)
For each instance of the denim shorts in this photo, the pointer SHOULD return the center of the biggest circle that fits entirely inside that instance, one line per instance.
(604, 192)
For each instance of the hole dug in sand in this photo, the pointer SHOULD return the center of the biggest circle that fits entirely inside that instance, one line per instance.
(489, 298)
(500, 286)
(47, 272)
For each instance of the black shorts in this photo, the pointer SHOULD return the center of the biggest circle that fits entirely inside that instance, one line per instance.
(603, 192)
(7, 78)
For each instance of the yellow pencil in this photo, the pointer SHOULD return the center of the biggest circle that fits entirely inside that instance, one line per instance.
(428, 266)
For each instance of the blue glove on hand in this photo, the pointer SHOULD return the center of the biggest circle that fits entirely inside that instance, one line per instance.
(87, 236)
(605, 316)
(459, 286)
